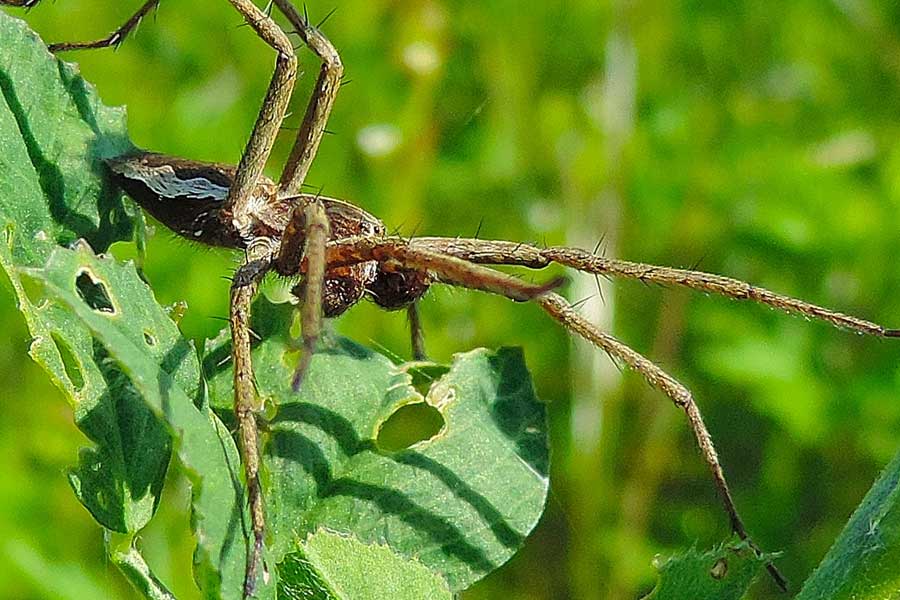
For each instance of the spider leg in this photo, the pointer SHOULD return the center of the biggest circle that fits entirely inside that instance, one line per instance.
(239, 202)
(396, 253)
(239, 205)
(320, 104)
(711, 284)
(113, 39)
(560, 310)
(304, 240)
(456, 271)
(415, 331)
(246, 404)
(514, 253)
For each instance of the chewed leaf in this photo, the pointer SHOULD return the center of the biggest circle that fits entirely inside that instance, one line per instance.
(723, 573)
(330, 566)
(164, 376)
(460, 502)
(53, 132)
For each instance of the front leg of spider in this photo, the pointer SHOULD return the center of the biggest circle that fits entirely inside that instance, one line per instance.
(240, 210)
(246, 405)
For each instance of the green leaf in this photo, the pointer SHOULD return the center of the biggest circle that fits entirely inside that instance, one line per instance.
(132, 565)
(163, 368)
(723, 573)
(862, 563)
(329, 566)
(460, 503)
(53, 131)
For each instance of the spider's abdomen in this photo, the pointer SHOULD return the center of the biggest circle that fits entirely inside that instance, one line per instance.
(184, 195)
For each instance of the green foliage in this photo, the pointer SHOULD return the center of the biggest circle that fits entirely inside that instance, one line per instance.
(723, 573)
(862, 564)
(333, 567)
(758, 138)
(460, 503)
(164, 371)
(52, 194)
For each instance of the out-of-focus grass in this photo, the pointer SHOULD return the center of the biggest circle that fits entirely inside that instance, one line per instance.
(756, 139)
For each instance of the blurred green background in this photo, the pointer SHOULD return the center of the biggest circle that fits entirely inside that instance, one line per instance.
(758, 139)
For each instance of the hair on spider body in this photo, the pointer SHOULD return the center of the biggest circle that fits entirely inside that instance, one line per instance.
(393, 290)
(184, 195)
(188, 197)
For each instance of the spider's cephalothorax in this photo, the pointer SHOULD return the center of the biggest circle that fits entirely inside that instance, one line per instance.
(188, 197)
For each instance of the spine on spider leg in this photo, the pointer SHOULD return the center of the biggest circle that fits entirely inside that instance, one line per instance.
(563, 312)
(113, 39)
(712, 284)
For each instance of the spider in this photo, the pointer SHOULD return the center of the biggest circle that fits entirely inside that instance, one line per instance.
(341, 253)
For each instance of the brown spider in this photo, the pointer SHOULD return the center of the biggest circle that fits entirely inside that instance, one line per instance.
(343, 253)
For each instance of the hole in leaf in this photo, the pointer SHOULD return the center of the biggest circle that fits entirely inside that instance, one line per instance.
(424, 375)
(409, 425)
(149, 339)
(69, 361)
(719, 569)
(94, 293)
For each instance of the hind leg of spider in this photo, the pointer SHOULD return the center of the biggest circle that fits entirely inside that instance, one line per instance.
(246, 403)
(20, 3)
(563, 312)
(304, 241)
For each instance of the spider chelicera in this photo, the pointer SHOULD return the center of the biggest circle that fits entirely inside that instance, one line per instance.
(342, 253)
